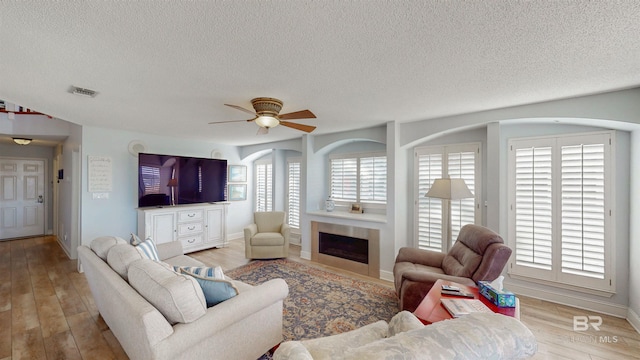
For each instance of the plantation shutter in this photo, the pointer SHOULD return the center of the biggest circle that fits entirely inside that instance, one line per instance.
(429, 210)
(344, 179)
(373, 179)
(462, 165)
(583, 210)
(559, 218)
(293, 194)
(264, 188)
(533, 207)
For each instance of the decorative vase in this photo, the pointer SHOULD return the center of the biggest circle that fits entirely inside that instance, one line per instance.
(329, 205)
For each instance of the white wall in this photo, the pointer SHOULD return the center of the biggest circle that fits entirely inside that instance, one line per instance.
(634, 233)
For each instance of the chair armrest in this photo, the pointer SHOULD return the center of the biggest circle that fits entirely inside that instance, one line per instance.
(250, 231)
(292, 350)
(169, 249)
(430, 278)
(420, 256)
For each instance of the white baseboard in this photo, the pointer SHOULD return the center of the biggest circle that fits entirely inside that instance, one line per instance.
(305, 255)
(616, 310)
(235, 236)
(386, 275)
(633, 319)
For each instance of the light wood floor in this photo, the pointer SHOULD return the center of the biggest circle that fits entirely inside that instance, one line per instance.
(47, 312)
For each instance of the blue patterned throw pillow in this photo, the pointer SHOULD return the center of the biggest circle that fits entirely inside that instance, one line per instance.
(135, 240)
(207, 272)
(148, 250)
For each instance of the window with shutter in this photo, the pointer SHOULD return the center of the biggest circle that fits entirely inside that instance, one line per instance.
(559, 190)
(360, 178)
(293, 193)
(435, 162)
(264, 186)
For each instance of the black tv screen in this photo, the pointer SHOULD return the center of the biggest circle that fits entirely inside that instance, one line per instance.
(174, 180)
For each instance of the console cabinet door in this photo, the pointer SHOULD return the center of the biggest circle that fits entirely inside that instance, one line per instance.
(215, 227)
(163, 227)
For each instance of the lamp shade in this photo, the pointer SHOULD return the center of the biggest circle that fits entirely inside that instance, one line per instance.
(451, 189)
(267, 121)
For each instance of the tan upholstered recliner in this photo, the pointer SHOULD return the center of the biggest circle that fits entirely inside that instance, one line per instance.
(267, 237)
(478, 254)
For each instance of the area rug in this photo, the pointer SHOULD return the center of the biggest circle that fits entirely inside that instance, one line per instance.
(321, 303)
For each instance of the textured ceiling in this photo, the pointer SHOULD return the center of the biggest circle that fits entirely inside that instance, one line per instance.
(167, 67)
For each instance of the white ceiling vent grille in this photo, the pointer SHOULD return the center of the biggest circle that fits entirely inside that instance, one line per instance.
(83, 92)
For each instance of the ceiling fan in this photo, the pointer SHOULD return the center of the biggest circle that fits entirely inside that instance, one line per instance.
(267, 116)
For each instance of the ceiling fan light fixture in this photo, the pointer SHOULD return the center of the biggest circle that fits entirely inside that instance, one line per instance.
(22, 141)
(267, 121)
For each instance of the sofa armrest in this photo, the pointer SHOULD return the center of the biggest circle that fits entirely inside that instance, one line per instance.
(250, 231)
(420, 256)
(169, 249)
(292, 350)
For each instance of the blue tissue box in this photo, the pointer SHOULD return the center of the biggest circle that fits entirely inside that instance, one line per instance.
(499, 298)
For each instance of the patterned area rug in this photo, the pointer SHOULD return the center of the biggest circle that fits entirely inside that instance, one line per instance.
(321, 303)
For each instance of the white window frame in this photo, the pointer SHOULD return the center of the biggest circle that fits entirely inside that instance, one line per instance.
(554, 274)
(268, 186)
(377, 204)
(293, 212)
(437, 225)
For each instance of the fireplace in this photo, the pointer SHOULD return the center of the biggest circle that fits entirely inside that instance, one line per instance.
(347, 247)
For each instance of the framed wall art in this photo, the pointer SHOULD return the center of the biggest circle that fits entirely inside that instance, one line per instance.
(237, 173)
(237, 192)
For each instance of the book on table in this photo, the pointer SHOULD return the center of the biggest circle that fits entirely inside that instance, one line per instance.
(461, 307)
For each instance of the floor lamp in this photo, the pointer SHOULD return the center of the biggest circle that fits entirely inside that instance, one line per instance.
(447, 190)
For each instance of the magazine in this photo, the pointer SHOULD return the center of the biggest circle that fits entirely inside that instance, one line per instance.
(461, 307)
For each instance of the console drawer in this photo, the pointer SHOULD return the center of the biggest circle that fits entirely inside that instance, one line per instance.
(190, 241)
(190, 215)
(190, 228)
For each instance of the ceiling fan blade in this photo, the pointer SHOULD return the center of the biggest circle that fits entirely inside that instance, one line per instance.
(232, 121)
(262, 131)
(241, 109)
(302, 114)
(306, 128)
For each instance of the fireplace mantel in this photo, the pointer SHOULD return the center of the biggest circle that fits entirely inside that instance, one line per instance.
(378, 218)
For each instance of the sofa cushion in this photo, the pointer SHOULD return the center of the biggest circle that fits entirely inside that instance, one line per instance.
(215, 290)
(103, 244)
(148, 250)
(403, 321)
(178, 297)
(120, 257)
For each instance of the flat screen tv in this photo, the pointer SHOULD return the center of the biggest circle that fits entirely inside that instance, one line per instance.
(175, 180)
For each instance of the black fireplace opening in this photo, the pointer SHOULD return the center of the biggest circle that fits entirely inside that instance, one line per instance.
(345, 247)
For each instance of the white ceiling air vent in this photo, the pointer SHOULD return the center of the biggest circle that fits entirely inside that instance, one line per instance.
(83, 92)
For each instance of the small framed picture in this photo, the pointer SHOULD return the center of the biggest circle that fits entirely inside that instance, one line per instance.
(355, 208)
(237, 173)
(237, 192)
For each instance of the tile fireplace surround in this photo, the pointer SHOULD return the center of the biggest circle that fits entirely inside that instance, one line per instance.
(372, 236)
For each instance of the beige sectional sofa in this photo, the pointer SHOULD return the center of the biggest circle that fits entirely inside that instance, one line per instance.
(243, 327)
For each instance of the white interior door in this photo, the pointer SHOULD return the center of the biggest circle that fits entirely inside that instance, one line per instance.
(21, 198)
